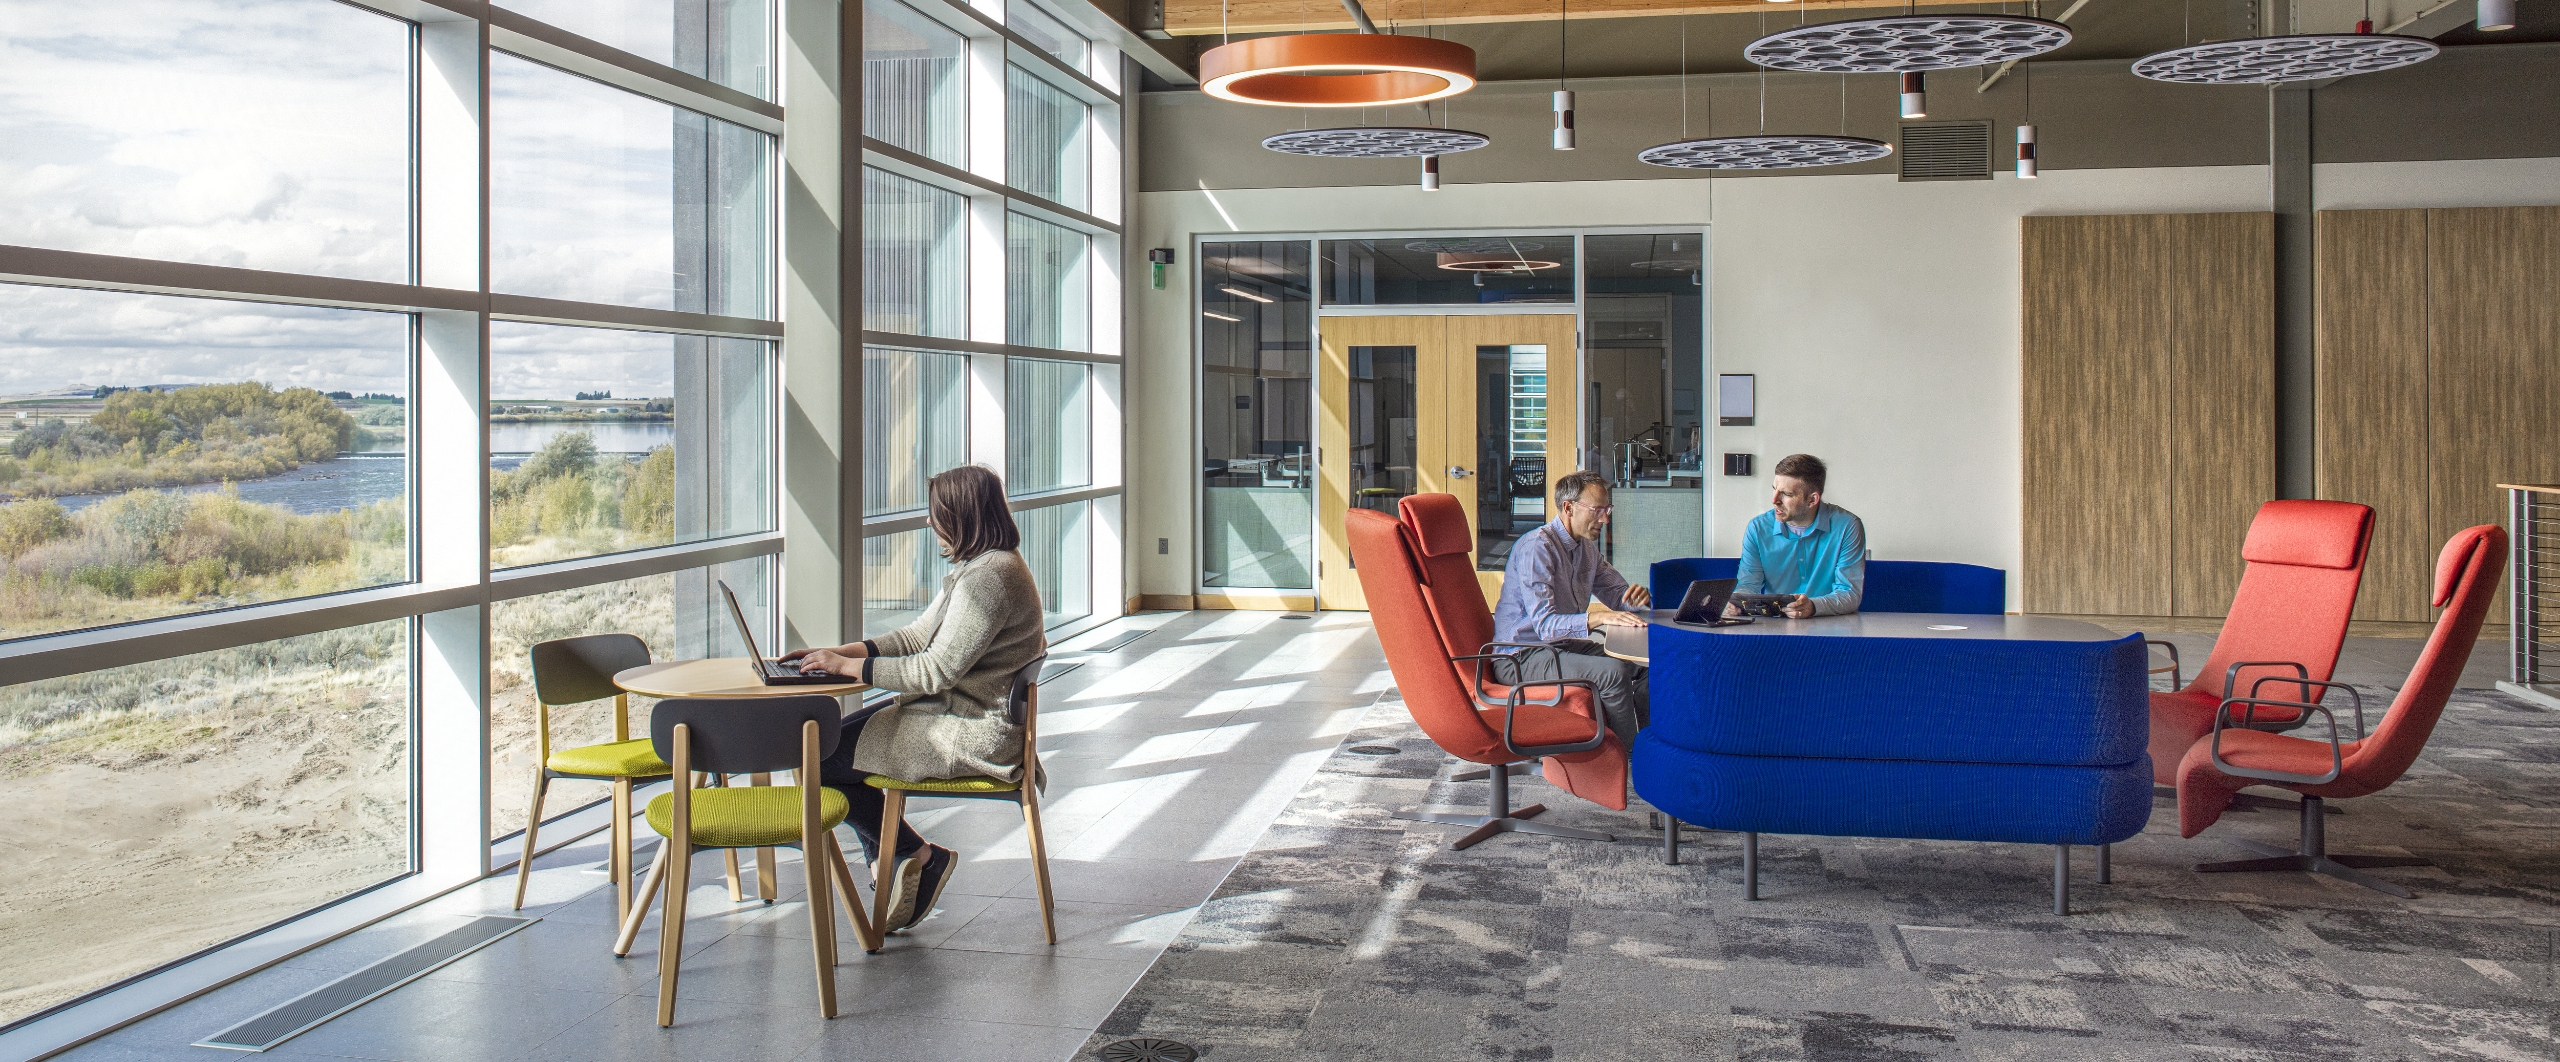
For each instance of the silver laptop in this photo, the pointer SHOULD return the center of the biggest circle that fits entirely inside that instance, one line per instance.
(772, 672)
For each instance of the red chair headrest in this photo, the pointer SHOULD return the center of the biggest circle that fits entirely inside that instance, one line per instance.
(2311, 534)
(2458, 558)
(1438, 524)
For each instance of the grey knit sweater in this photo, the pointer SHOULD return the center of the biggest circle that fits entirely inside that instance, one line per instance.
(951, 670)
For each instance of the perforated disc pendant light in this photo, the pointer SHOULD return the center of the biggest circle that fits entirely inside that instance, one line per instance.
(1382, 142)
(1897, 44)
(1364, 69)
(1764, 152)
(2291, 57)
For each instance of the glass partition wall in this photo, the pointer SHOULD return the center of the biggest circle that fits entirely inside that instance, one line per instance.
(1639, 300)
(289, 481)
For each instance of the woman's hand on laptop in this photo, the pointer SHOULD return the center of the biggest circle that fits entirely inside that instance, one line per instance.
(841, 660)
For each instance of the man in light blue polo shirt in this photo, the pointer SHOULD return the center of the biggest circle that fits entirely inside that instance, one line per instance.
(1804, 546)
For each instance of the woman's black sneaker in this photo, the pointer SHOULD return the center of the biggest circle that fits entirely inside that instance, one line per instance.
(938, 863)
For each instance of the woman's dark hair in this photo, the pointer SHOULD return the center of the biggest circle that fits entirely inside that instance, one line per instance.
(969, 512)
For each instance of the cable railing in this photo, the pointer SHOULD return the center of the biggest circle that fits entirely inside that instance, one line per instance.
(2533, 588)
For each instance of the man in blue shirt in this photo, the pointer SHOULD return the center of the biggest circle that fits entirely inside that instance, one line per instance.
(1547, 587)
(1803, 546)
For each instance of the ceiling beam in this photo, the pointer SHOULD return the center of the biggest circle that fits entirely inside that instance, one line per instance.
(1196, 17)
(1996, 75)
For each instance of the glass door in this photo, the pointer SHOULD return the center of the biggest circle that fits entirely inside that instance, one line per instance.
(1454, 405)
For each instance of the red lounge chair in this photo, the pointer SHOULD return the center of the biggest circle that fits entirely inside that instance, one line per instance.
(2289, 617)
(1475, 721)
(2232, 756)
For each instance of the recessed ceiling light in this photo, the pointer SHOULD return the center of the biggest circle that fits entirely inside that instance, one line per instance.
(1765, 152)
(2292, 57)
(1221, 316)
(1242, 293)
(1902, 43)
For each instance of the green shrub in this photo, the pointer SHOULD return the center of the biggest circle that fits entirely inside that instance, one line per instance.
(28, 524)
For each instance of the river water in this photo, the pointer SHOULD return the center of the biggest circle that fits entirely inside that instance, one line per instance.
(351, 480)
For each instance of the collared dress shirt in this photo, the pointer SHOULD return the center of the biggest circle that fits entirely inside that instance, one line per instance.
(1548, 584)
(1826, 561)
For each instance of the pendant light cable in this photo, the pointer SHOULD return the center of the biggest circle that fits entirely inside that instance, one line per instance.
(1684, 77)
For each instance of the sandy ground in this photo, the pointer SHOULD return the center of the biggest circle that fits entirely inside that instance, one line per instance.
(119, 857)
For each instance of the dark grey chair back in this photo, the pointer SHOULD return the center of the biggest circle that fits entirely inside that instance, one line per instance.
(745, 735)
(573, 670)
(1017, 701)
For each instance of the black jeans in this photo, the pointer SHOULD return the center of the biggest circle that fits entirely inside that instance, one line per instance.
(836, 772)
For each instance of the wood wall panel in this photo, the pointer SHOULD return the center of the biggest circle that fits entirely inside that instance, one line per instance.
(2218, 276)
(2370, 395)
(2094, 355)
(2493, 340)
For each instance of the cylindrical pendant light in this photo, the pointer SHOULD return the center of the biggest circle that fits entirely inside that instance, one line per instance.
(1915, 96)
(1564, 120)
(2497, 14)
(1431, 173)
(2026, 151)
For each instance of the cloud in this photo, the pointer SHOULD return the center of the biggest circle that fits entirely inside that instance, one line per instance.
(53, 338)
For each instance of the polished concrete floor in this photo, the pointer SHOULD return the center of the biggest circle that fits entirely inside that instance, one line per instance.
(1168, 758)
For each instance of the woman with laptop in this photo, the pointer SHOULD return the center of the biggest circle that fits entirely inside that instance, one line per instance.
(951, 671)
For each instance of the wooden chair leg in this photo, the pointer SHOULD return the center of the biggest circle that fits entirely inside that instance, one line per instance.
(864, 932)
(764, 856)
(532, 829)
(822, 918)
(640, 905)
(893, 808)
(1039, 860)
(618, 862)
(737, 886)
(679, 863)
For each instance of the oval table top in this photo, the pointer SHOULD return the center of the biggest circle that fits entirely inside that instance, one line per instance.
(725, 676)
(1635, 643)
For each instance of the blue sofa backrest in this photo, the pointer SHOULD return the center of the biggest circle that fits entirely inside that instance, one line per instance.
(1892, 585)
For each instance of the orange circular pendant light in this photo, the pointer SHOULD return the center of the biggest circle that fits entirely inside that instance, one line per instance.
(1337, 70)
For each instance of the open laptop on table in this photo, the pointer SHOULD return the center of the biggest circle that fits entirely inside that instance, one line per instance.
(1703, 606)
(772, 672)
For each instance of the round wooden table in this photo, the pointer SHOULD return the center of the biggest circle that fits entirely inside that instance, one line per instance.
(730, 677)
(725, 676)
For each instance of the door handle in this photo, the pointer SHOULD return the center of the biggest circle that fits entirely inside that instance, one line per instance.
(1459, 472)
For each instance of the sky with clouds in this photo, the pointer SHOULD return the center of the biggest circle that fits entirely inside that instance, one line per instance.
(274, 134)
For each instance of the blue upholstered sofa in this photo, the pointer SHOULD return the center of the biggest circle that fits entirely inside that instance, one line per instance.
(1963, 737)
(1892, 586)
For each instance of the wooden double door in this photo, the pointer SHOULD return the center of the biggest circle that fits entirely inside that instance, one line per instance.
(1442, 405)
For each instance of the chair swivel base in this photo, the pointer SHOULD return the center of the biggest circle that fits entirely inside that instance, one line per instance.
(1501, 818)
(2314, 857)
(1489, 825)
(1481, 773)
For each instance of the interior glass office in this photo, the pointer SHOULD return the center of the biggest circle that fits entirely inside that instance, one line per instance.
(1639, 383)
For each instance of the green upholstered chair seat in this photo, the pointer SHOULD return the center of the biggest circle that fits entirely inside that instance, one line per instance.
(756, 816)
(615, 759)
(977, 784)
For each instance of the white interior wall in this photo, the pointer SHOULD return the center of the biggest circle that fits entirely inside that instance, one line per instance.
(1880, 317)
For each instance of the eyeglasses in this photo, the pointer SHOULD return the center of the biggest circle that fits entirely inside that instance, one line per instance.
(1602, 510)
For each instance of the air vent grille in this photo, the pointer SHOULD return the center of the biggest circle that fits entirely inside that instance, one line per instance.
(1946, 151)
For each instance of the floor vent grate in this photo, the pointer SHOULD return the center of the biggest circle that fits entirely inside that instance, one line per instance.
(1116, 641)
(1054, 670)
(1946, 151)
(309, 1010)
(1149, 1049)
(1374, 750)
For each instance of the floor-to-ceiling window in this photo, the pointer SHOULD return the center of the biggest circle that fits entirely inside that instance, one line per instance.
(289, 480)
(991, 293)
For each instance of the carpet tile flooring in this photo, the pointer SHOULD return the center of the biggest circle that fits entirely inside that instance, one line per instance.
(1346, 934)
